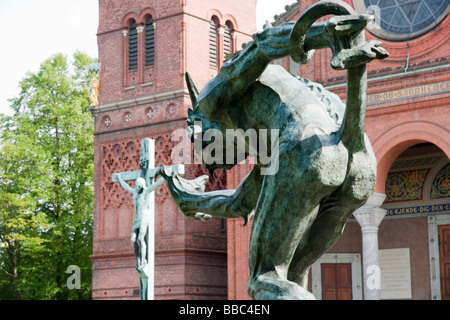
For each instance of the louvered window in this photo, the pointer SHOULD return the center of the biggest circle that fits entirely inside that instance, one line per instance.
(213, 44)
(227, 40)
(149, 42)
(133, 47)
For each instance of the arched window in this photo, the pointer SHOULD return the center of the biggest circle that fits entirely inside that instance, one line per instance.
(228, 40)
(133, 46)
(149, 42)
(214, 43)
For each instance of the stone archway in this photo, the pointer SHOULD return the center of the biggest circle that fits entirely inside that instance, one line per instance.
(394, 141)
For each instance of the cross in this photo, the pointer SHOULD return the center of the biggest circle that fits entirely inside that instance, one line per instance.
(148, 172)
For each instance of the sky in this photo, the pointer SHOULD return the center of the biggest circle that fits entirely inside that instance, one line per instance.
(33, 30)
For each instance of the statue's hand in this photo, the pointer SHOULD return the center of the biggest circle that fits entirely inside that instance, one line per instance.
(347, 42)
(343, 34)
(347, 25)
(186, 193)
(365, 53)
(115, 177)
(202, 216)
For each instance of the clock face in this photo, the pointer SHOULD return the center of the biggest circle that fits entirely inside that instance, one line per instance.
(400, 20)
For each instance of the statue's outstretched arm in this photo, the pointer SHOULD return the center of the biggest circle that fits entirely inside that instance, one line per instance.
(239, 73)
(124, 185)
(154, 185)
(273, 43)
(193, 202)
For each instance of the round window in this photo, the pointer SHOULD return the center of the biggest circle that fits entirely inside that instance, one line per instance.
(400, 20)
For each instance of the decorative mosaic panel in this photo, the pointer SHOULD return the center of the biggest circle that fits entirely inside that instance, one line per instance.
(405, 185)
(411, 163)
(441, 184)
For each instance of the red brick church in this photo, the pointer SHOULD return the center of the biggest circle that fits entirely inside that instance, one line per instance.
(145, 48)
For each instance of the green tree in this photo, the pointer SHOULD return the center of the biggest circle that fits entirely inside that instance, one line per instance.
(46, 182)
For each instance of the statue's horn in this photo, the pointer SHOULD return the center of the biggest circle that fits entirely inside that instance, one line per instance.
(193, 92)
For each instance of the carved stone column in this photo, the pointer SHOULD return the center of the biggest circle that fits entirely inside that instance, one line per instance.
(369, 218)
(220, 53)
(125, 33)
(141, 53)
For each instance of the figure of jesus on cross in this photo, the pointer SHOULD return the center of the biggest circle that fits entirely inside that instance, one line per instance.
(142, 233)
(142, 216)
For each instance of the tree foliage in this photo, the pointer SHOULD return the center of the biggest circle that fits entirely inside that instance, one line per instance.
(46, 182)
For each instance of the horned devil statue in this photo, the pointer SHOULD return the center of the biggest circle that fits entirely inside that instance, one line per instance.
(324, 168)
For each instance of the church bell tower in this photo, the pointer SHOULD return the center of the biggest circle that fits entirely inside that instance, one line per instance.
(145, 48)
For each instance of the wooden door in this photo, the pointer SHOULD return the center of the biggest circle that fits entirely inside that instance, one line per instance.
(444, 258)
(336, 281)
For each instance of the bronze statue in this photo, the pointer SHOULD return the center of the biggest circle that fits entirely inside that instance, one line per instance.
(326, 167)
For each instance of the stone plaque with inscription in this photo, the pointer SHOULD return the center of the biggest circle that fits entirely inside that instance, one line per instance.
(395, 274)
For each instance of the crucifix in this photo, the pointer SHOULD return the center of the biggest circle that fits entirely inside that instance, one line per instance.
(143, 228)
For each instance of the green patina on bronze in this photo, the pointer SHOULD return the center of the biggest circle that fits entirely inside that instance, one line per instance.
(326, 166)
